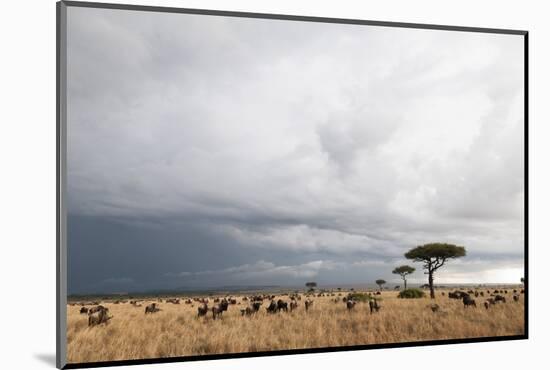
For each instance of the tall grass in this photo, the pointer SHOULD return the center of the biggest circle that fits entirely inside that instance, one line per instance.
(177, 331)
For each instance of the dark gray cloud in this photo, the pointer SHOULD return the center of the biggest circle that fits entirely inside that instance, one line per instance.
(204, 149)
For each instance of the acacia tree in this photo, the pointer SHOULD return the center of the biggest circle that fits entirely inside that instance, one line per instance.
(403, 271)
(311, 285)
(434, 255)
(380, 282)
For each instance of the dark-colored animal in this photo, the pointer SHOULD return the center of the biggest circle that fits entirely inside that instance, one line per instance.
(515, 297)
(374, 305)
(233, 301)
(434, 307)
(99, 317)
(250, 310)
(202, 311)
(272, 308)
(468, 301)
(350, 304)
(97, 309)
(218, 310)
(308, 303)
(173, 300)
(282, 305)
(293, 305)
(476, 293)
(457, 294)
(486, 304)
(152, 308)
(84, 310)
(499, 298)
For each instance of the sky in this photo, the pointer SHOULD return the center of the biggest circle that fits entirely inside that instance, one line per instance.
(208, 151)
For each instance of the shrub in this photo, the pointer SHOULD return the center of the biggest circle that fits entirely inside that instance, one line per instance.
(362, 297)
(411, 293)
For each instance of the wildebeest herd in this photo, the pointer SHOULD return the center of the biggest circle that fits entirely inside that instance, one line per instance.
(216, 306)
(497, 296)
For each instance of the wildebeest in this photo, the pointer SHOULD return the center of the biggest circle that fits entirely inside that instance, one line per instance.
(218, 310)
(152, 308)
(374, 306)
(468, 301)
(499, 298)
(350, 304)
(434, 307)
(486, 304)
(97, 309)
(202, 311)
(233, 301)
(173, 300)
(282, 305)
(84, 310)
(252, 309)
(99, 317)
(308, 304)
(293, 305)
(272, 308)
(515, 297)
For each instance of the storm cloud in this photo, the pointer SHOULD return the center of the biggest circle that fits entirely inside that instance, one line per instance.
(207, 150)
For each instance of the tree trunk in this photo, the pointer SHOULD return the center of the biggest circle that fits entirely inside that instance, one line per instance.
(405, 282)
(431, 283)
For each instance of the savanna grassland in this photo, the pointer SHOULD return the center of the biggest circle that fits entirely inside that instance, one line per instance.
(176, 330)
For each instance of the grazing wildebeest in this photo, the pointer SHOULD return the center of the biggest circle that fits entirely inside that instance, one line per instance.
(350, 304)
(481, 294)
(252, 309)
(272, 308)
(293, 305)
(434, 307)
(233, 301)
(442, 293)
(468, 301)
(152, 308)
(515, 297)
(476, 293)
(308, 303)
(282, 305)
(522, 291)
(378, 293)
(99, 317)
(97, 309)
(83, 310)
(202, 311)
(499, 298)
(486, 304)
(173, 300)
(218, 310)
(457, 294)
(374, 306)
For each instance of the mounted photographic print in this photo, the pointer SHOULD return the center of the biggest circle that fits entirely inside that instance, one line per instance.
(238, 184)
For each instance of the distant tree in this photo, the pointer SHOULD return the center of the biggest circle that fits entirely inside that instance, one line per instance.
(311, 285)
(339, 289)
(434, 255)
(403, 271)
(380, 283)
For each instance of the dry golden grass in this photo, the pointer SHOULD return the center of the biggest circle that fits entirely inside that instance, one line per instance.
(177, 331)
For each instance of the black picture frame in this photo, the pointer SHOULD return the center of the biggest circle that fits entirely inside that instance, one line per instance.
(61, 186)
